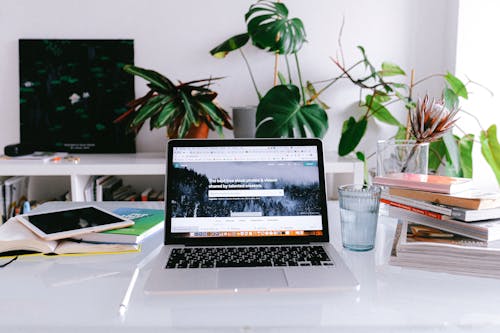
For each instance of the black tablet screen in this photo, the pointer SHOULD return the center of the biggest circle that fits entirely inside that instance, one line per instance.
(74, 219)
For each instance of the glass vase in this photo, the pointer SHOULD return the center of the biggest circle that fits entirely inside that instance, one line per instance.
(394, 156)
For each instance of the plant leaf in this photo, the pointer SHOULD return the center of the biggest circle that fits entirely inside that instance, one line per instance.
(390, 69)
(167, 114)
(311, 92)
(456, 85)
(401, 133)
(380, 112)
(450, 99)
(157, 80)
(231, 44)
(437, 150)
(452, 154)
(270, 28)
(352, 133)
(279, 112)
(465, 149)
(490, 148)
(146, 111)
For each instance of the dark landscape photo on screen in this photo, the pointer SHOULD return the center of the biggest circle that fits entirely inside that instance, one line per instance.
(193, 181)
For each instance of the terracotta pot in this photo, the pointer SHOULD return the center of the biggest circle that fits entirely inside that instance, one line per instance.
(195, 132)
(198, 132)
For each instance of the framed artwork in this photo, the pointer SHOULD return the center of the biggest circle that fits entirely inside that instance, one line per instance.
(71, 90)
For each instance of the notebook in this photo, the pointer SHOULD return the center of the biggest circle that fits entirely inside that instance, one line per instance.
(246, 215)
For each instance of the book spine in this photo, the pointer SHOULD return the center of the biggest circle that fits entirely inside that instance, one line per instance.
(456, 227)
(459, 214)
(415, 209)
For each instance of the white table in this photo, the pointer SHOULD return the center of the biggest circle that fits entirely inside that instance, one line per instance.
(82, 294)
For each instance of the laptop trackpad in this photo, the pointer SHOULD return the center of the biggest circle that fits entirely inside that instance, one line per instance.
(235, 278)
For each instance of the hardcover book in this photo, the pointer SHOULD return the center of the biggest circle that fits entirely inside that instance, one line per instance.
(469, 199)
(488, 230)
(433, 183)
(146, 223)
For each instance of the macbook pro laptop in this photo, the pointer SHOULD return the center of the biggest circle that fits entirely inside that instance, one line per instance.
(246, 215)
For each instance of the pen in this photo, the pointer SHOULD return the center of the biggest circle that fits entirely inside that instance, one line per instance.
(126, 298)
(128, 293)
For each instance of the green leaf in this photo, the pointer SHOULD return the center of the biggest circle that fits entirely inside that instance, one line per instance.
(401, 133)
(279, 114)
(437, 150)
(167, 114)
(353, 132)
(490, 148)
(456, 85)
(450, 98)
(400, 85)
(452, 154)
(360, 156)
(156, 79)
(380, 112)
(229, 45)
(152, 106)
(212, 111)
(381, 97)
(390, 69)
(311, 92)
(190, 115)
(465, 150)
(270, 28)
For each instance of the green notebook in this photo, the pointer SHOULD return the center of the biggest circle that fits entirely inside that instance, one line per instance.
(147, 222)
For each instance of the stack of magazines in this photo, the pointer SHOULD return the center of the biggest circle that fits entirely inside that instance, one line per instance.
(443, 227)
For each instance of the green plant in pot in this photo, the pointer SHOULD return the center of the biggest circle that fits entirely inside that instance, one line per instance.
(385, 87)
(285, 110)
(187, 110)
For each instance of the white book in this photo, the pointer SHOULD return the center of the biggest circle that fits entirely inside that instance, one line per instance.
(419, 246)
(485, 230)
(14, 236)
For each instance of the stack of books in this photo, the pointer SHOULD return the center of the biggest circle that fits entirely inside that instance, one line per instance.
(444, 224)
(112, 188)
(16, 239)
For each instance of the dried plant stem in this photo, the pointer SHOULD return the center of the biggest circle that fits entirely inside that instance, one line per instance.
(410, 156)
(410, 91)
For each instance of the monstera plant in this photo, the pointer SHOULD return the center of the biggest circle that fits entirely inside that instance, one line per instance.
(285, 110)
(187, 109)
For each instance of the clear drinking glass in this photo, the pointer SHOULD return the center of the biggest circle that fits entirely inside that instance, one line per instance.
(359, 205)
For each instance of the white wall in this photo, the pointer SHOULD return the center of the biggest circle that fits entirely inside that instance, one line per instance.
(174, 37)
(478, 55)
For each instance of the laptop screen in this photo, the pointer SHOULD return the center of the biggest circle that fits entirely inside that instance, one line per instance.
(245, 189)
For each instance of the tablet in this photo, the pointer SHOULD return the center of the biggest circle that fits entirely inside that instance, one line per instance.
(72, 222)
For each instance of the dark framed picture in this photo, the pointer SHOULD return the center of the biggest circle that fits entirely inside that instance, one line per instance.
(71, 90)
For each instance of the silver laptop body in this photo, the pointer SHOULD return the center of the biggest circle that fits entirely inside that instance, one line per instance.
(259, 196)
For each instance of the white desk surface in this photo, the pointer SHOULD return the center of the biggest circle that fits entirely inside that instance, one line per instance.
(82, 294)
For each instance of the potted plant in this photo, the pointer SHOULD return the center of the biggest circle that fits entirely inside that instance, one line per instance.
(187, 110)
(285, 110)
(380, 88)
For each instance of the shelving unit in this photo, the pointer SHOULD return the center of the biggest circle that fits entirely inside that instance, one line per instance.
(133, 164)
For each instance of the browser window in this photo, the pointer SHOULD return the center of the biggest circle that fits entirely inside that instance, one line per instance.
(245, 191)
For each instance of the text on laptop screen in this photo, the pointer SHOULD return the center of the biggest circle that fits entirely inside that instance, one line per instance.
(245, 191)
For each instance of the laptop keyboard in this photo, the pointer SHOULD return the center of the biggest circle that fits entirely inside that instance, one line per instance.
(251, 256)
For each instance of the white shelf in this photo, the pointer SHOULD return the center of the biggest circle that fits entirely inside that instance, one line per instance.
(134, 164)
